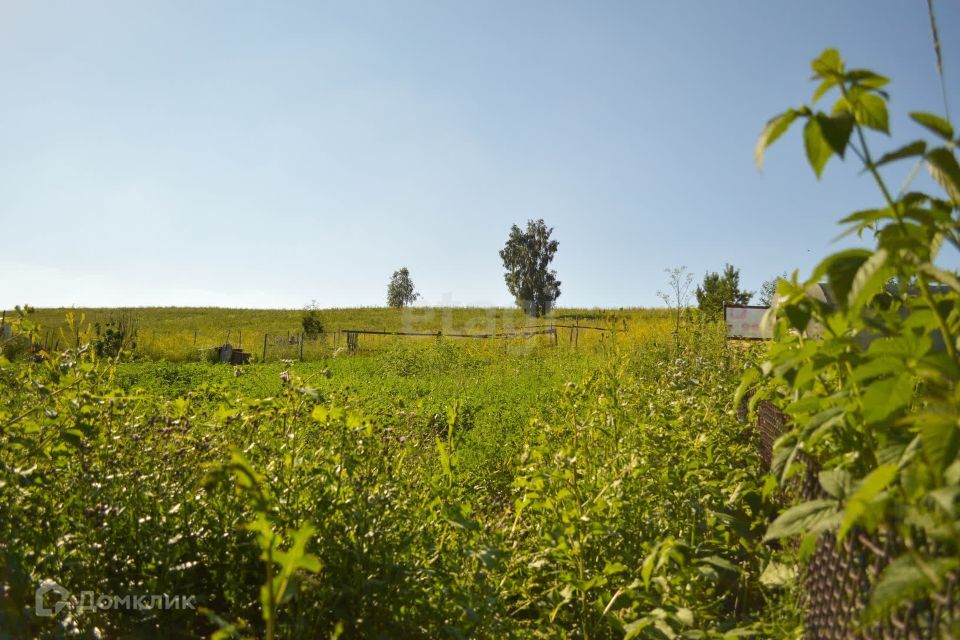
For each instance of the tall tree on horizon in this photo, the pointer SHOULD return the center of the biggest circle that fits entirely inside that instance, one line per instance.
(400, 290)
(526, 257)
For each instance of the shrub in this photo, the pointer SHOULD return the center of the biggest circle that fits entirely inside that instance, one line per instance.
(310, 321)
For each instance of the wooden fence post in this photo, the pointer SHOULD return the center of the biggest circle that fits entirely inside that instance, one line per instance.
(301, 346)
(263, 358)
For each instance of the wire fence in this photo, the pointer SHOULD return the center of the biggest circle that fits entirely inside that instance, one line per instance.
(251, 344)
(305, 346)
(839, 578)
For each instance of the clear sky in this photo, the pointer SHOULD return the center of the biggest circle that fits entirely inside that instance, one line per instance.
(266, 154)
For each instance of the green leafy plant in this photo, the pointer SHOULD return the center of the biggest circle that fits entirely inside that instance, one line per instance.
(117, 335)
(677, 296)
(282, 566)
(871, 382)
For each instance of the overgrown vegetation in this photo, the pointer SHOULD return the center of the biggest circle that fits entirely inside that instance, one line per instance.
(677, 296)
(605, 492)
(116, 335)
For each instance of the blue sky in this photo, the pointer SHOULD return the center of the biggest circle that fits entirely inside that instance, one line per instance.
(268, 154)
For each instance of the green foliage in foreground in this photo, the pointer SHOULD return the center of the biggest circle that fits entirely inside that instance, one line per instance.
(600, 495)
(873, 384)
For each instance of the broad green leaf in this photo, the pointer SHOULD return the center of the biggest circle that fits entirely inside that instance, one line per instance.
(869, 280)
(826, 85)
(836, 130)
(836, 482)
(875, 368)
(684, 615)
(807, 546)
(817, 148)
(941, 276)
(860, 502)
(778, 574)
(875, 482)
(808, 517)
(444, 455)
(868, 216)
(887, 396)
(916, 148)
(867, 78)
(634, 629)
(870, 110)
(938, 364)
(664, 627)
(946, 499)
(750, 376)
(720, 563)
(904, 580)
(798, 314)
(829, 62)
(646, 569)
(945, 170)
(459, 516)
(952, 474)
(841, 268)
(775, 128)
(934, 123)
(940, 439)
(908, 346)
(297, 557)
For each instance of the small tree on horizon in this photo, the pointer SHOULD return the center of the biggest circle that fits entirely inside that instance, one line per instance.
(768, 290)
(526, 257)
(720, 288)
(311, 321)
(400, 290)
(678, 297)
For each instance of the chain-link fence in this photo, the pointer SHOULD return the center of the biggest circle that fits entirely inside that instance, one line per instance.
(839, 578)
